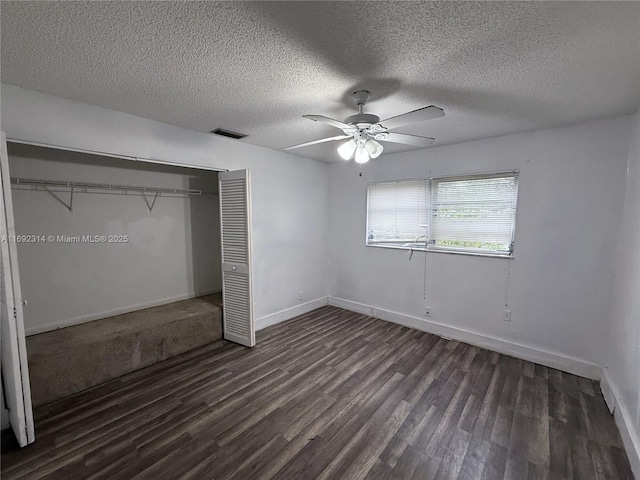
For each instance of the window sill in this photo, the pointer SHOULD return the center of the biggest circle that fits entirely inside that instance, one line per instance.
(437, 250)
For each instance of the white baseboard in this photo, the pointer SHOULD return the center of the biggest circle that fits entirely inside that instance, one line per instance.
(607, 391)
(559, 361)
(287, 313)
(630, 436)
(110, 313)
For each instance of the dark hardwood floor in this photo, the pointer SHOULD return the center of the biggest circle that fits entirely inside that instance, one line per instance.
(330, 395)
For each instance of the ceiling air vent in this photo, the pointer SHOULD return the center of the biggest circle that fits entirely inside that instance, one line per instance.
(228, 133)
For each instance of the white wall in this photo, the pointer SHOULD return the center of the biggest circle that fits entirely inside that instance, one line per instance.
(172, 253)
(623, 354)
(557, 286)
(289, 193)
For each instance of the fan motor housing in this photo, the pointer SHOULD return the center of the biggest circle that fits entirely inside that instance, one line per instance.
(365, 118)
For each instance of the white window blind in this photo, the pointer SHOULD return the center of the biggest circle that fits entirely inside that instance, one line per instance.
(472, 214)
(397, 212)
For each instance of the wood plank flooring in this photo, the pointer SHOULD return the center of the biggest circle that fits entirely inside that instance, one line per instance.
(329, 395)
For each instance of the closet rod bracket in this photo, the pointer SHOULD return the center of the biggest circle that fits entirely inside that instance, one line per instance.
(150, 205)
(58, 198)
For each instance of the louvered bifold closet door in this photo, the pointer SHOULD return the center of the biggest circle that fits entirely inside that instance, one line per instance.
(15, 368)
(235, 220)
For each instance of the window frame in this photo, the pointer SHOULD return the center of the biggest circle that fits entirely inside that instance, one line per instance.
(427, 245)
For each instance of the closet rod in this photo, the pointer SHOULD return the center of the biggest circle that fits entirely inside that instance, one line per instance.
(102, 186)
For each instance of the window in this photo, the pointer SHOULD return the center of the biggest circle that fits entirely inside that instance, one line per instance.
(397, 213)
(464, 214)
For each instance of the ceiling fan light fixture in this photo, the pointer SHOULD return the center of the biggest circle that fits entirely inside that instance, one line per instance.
(347, 149)
(374, 149)
(367, 130)
(361, 155)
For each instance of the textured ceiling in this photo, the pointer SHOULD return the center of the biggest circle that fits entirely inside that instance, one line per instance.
(257, 67)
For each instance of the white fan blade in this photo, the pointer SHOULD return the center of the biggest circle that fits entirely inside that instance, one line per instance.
(328, 121)
(420, 115)
(339, 137)
(405, 138)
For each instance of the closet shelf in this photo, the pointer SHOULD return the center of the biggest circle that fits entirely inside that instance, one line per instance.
(56, 186)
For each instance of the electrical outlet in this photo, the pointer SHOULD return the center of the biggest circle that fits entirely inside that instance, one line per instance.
(427, 311)
(301, 297)
(506, 315)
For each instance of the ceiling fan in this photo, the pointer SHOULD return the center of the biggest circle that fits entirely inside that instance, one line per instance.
(366, 130)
